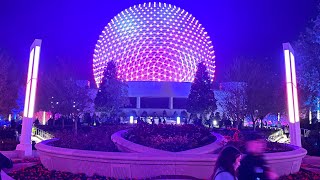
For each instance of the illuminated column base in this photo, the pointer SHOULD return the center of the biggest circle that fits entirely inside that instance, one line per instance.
(295, 134)
(25, 139)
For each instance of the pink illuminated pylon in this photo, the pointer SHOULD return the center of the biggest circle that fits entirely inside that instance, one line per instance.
(292, 95)
(31, 87)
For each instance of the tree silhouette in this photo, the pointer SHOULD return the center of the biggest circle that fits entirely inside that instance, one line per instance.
(8, 84)
(201, 98)
(112, 93)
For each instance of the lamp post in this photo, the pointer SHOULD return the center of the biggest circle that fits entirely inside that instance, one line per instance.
(31, 87)
(292, 95)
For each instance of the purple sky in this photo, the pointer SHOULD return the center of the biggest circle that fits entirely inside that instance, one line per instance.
(70, 29)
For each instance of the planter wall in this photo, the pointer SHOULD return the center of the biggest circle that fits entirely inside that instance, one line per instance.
(284, 163)
(124, 165)
(146, 165)
(124, 145)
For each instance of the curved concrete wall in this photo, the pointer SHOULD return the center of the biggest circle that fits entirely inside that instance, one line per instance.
(285, 163)
(127, 146)
(124, 165)
(144, 165)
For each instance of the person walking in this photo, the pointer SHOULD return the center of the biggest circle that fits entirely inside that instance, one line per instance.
(227, 164)
(253, 166)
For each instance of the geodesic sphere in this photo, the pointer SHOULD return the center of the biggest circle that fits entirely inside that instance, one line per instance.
(154, 42)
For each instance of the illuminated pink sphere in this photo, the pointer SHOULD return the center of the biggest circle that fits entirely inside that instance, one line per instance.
(154, 42)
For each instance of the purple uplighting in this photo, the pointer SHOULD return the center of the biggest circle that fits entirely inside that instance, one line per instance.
(154, 42)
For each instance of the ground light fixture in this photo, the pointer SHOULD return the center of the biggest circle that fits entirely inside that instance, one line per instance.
(131, 119)
(178, 120)
(215, 123)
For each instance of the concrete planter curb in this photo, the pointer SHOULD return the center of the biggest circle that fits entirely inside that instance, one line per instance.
(146, 165)
(127, 146)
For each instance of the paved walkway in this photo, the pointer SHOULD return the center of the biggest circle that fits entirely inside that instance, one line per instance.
(16, 167)
(19, 162)
(311, 163)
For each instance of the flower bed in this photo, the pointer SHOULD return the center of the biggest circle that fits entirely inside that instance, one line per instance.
(172, 138)
(40, 172)
(237, 138)
(301, 175)
(93, 139)
(26, 160)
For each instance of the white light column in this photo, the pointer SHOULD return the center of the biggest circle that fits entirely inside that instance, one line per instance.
(318, 110)
(44, 118)
(170, 102)
(310, 117)
(31, 87)
(292, 95)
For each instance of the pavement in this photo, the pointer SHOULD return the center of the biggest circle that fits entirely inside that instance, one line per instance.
(16, 167)
(19, 162)
(311, 163)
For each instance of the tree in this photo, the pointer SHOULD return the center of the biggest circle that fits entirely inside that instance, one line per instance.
(145, 115)
(307, 53)
(164, 114)
(184, 116)
(20, 101)
(60, 92)
(264, 90)
(112, 93)
(70, 97)
(201, 98)
(233, 99)
(8, 84)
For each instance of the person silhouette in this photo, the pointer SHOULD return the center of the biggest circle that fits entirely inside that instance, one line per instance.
(227, 164)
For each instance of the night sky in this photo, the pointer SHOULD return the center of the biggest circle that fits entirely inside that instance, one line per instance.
(69, 29)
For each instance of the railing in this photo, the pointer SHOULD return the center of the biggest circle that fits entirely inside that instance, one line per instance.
(41, 134)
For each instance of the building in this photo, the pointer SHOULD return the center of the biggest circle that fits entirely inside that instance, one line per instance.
(156, 47)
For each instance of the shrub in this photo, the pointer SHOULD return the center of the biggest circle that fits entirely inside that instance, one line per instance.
(8, 140)
(302, 175)
(7, 133)
(8, 144)
(312, 143)
(93, 139)
(170, 137)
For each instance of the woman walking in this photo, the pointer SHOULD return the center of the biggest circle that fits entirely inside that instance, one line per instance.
(227, 164)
